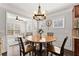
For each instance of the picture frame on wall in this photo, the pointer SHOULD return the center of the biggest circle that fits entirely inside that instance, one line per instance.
(58, 23)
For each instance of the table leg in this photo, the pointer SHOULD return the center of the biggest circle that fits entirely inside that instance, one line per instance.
(40, 51)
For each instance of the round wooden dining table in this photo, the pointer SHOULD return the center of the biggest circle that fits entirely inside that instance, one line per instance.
(41, 41)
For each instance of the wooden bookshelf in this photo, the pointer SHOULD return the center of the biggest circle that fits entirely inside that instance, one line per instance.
(75, 29)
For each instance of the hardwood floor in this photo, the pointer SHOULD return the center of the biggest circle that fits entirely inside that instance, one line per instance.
(4, 54)
(66, 53)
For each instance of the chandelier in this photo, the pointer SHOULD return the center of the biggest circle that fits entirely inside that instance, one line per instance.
(39, 16)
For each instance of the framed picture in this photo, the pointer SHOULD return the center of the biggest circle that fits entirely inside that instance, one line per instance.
(58, 23)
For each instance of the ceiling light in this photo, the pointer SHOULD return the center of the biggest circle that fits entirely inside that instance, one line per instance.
(39, 15)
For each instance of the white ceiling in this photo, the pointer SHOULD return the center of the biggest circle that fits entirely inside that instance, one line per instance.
(29, 8)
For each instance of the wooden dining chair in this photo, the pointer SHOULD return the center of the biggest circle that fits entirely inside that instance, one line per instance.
(56, 50)
(24, 49)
